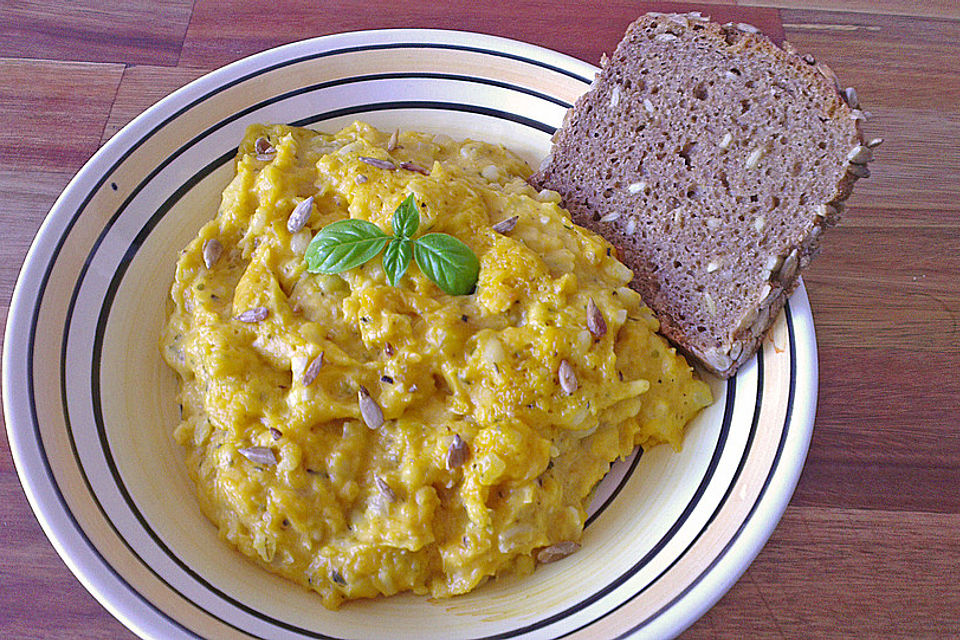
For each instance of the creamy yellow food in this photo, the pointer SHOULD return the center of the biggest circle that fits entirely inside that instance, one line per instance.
(485, 459)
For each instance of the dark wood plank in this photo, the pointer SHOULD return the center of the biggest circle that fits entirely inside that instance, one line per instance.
(844, 573)
(886, 432)
(52, 113)
(221, 32)
(95, 31)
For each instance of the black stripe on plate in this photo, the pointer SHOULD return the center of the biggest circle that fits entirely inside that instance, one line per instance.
(773, 469)
(657, 548)
(259, 72)
(65, 508)
(733, 483)
(619, 488)
(48, 269)
(436, 45)
(108, 299)
(111, 293)
(118, 275)
(230, 154)
(130, 253)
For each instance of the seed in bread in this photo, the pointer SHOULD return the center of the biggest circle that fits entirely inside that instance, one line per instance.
(713, 159)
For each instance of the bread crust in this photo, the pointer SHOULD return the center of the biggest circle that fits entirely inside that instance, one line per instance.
(737, 339)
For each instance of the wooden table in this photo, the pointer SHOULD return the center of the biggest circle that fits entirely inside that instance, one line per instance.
(870, 544)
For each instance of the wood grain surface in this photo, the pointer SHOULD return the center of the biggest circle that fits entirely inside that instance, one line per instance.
(870, 544)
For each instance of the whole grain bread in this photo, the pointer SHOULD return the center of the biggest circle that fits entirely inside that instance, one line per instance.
(713, 159)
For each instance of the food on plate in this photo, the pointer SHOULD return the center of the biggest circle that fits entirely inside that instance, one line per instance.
(367, 420)
(713, 160)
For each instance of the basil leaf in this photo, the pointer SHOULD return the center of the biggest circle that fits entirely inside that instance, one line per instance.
(343, 245)
(406, 219)
(396, 259)
(452, 265)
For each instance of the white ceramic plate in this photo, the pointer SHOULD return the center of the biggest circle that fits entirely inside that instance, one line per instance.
(90, 406)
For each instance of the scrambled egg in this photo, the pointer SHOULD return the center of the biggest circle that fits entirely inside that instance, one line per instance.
(485, 459)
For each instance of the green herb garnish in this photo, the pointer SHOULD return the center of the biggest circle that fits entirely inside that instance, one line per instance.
(347, 244)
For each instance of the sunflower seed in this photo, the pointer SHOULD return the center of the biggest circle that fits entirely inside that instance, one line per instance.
(828, 73)
(754, 158)
(736, 350)
(276, 433)
(789, 268)
(378, 163)
(262, 145)
(748, 28)
(259, 455)
(312, 371)
(507, 225)
(212, 250)
(809, 59)
(301, 214)
(568, 379)
(850, 95)
(360, 179)
(370, 411)
(458, 452)
(860, 154)
(665, 37)
(265, 150)
(385, 489)
(725, 141)
(789, 48)
(413, 166)
(394, 141)
(557, 551)
(254, 315)
(596, 325)
(711, 305)
(876, 142)
(615, 96)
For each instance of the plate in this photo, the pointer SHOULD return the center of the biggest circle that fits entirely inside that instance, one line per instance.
(90, 406)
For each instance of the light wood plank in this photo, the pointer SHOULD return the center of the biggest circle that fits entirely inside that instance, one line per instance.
(225, 31)
(53, 113)
(846, 573)
(27, 197)
(141, 87)
(915, 8)
(132, 31)
(904, 72)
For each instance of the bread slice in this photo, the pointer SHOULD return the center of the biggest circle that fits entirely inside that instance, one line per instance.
(713, 160)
